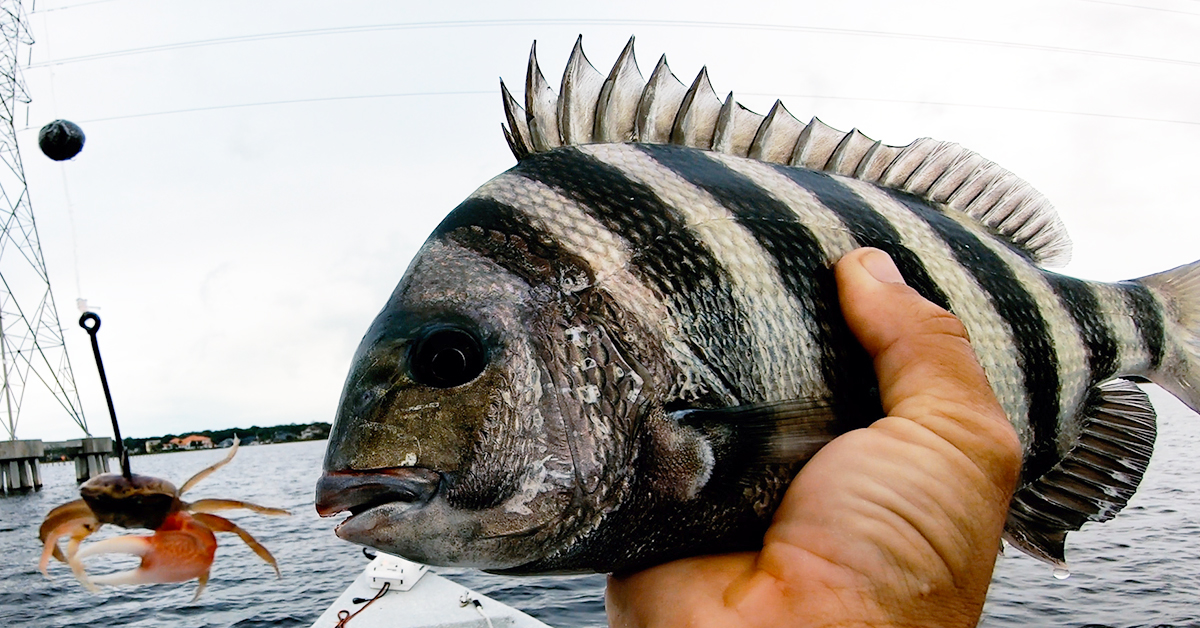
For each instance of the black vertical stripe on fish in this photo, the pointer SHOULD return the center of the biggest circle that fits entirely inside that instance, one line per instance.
(803, 268)
(1030, 332)
(668, 255)
(503, 234)
(1079, 300)
(868, 227)
(1147, 317)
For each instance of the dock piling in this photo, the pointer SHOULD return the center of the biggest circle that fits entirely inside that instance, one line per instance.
(19, 465)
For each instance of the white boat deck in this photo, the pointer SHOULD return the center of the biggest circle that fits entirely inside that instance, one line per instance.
(431, 602)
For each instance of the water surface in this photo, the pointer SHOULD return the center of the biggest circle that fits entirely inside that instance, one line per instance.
(1141, 569)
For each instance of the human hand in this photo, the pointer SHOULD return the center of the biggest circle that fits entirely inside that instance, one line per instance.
(897, 524)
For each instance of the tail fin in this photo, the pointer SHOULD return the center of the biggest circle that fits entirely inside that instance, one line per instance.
(1178, 290)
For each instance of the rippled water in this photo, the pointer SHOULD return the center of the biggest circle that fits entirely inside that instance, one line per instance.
(1142, 569)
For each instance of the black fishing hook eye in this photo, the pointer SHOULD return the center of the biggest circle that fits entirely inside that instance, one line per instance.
(90, 317)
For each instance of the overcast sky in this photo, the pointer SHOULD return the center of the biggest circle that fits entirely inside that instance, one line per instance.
(258, 174)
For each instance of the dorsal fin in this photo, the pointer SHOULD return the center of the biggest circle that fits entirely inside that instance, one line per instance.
(622, 108)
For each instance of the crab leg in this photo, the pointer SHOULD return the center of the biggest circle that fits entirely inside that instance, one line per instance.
(180, 550)
(221, 524)
(76, 564)
(217, 505)
(195, 479)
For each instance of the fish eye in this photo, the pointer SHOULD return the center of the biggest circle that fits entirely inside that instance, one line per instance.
(446, 357)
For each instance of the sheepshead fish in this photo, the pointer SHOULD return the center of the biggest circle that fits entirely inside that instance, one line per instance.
(620, 351)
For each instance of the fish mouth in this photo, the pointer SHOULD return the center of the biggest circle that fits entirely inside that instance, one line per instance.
(357, 492)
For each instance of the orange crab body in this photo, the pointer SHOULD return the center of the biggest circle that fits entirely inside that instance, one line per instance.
(180, 550)
(183, 544)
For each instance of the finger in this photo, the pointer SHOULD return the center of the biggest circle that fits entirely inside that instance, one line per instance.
(927, 370)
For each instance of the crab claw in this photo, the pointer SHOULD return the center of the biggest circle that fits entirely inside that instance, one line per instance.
(73, 520)
(180, 550)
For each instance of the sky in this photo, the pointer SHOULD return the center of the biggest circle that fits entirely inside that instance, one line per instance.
(258, 174)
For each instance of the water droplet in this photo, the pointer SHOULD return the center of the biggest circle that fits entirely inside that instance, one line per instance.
(1061, 573)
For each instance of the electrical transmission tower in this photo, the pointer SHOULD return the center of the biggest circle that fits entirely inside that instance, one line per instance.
(32, 348)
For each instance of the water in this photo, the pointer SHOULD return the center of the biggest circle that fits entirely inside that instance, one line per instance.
(1141, 569)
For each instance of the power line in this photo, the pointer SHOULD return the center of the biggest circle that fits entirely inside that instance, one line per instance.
(1140, 6)
(932, 103)
(929, 103)
(71, 6)
(284, 102)
(345, 30)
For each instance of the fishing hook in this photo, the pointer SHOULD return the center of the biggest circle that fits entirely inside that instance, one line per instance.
(92, 329)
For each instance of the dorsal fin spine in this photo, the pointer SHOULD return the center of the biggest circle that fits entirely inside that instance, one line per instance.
(662, 110)
(820, 141)
(696, 122)
(581, 85)
(658, 105)
(617, 105)
(876, 161)
(517, 132)
(736, 128)
(849, 153)
(776, 136)
(541, 107)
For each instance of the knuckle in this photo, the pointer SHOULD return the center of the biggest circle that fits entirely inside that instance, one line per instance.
(936, 321)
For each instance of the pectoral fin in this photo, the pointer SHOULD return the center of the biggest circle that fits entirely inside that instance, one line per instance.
(775, 432)
(697, 445)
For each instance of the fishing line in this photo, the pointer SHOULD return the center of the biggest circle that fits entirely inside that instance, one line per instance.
(62, 170)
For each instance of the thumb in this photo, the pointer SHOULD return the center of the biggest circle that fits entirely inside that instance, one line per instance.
(927, 370)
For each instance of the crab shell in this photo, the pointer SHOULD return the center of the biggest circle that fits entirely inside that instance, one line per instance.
(139, 501)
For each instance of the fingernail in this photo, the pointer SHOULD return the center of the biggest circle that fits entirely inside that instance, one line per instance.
(881, 267)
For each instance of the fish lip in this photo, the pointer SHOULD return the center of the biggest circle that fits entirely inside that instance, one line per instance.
(359, 491)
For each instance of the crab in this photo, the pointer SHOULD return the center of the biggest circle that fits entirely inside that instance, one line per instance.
(183, 544)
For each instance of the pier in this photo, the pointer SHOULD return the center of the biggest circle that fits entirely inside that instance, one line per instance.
(20, 460)
(19, 470)
(90, 455)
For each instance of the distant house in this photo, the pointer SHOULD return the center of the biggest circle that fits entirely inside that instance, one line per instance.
(195, 441)
(225, 444)
(283, 437)
(314, 432)
(152, 445)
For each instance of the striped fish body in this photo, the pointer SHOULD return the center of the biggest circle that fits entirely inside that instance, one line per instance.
(620, 353)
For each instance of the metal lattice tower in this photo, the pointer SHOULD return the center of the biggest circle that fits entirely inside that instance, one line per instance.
(31, 339)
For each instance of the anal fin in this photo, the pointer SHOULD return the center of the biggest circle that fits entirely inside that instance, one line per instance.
(1094, 480)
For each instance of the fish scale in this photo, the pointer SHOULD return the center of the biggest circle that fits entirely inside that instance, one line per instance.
(667, 259)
